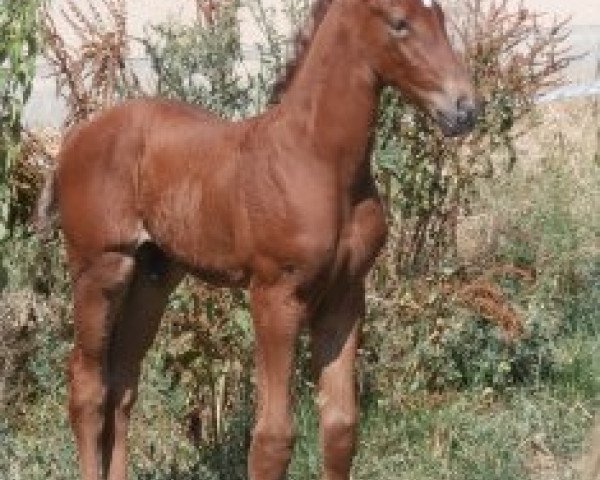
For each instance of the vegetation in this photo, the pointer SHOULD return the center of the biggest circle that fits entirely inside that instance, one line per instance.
(18, 49)
(480, 356)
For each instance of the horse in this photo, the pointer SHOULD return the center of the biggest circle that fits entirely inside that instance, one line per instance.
(283, 204)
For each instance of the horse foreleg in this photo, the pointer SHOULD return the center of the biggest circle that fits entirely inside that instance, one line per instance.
(277, 316)
(334, 341)
(98, 292)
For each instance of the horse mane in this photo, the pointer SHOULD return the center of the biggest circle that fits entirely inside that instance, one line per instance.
(301, 43)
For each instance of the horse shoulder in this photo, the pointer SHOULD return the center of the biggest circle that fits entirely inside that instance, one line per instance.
(291, 217)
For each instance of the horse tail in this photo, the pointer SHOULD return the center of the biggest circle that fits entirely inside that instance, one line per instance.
(45, 216)
(46, 211)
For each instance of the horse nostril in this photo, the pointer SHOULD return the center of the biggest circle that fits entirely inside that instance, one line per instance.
(465, 110)
(460, 118)
(464, 104)
(461, 102)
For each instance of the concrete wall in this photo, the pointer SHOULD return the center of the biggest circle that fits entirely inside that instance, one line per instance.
(585, 39)
(584, 12)
(45, 109)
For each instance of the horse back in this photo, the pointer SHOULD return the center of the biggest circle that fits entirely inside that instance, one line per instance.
(100, 170)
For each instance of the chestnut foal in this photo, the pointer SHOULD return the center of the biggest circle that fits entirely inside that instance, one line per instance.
(283, 203)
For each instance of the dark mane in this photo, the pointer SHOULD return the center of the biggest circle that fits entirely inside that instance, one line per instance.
(302, 41)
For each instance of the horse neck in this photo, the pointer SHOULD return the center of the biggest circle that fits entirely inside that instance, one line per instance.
(333, 100)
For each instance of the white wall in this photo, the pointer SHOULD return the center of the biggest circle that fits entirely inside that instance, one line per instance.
(584, 12)
(143, 13)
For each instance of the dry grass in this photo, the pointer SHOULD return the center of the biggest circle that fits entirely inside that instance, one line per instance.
(487, 300)
(22, 313)
(590, 462)
(94, 74)
(37, 154)
(559, 137)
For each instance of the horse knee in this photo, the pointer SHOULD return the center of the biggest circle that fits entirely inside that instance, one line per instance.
(87, 390)
(338, 427)
(273, 444)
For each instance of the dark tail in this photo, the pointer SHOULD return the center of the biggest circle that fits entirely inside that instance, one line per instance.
(45, 216)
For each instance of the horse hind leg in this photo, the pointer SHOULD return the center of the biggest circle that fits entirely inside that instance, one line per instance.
(98, 292)
(154, 279)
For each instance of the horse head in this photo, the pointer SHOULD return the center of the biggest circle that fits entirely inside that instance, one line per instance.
(407, 46)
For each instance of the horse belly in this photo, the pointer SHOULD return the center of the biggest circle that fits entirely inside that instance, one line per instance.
(196, 226)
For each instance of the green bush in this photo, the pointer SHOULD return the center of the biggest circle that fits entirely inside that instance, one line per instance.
(200, 63)
(18, 51)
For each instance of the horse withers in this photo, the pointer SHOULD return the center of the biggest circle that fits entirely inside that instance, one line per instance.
(283, 204)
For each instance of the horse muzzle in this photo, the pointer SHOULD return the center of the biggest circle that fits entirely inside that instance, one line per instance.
(459, 120)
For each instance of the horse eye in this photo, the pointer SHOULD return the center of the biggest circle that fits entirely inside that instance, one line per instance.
(399, 25)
